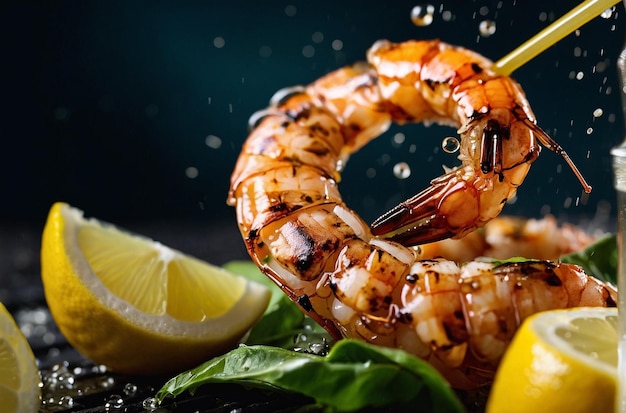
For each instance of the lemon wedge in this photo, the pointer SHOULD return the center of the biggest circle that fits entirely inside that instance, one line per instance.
(19, 375)
(135, 305)
(560, 361)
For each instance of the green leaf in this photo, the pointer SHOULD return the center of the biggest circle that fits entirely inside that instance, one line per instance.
(280, 323)
(599, 259)
(496, 263)
(353, 376)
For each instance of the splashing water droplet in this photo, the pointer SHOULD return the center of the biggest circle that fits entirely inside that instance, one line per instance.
(317, 37)
(450, 144)
(213, 142)
(114, 403)
(401, 170)
(308, 51)
(398, 139)
(337, 45)
(598, 112)
(130, 389)
(487, 28)
(606, 14)
(150, 404)
(423, 14)
(219, 42)
(290, 10)
(191, 172)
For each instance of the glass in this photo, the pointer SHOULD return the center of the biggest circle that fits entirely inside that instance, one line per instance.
(619, 168)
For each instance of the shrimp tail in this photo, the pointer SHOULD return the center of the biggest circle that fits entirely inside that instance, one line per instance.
(418, 219)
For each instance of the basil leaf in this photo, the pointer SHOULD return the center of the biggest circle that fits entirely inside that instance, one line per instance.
(353, 376)
(279, 324)
(599, 259)
(496, 262)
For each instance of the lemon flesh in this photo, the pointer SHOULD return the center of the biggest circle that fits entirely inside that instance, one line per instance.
(19, 375)
(561, 360)
(135, 305)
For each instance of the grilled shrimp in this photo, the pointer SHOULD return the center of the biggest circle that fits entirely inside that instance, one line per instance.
(372, 284)
(506, 237)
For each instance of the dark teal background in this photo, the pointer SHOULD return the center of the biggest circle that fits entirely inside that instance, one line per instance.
(107, 103)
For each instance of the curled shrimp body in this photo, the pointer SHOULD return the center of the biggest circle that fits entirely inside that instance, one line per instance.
(354, 283)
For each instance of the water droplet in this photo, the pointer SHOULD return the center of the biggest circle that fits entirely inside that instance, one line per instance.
(422, 15)
(447, 16)
(398, 139)
(290, 10)
(337, 45)
(49, 338)
(213, 142)
(318, 348)
(106, 382)
(130, 389)
(580, 75)
(150, 404)
(317, 37)
(100, 368)
(487, 28)
(115, 402)
(598, 112)
(308, 51)
(568, 202)
(450, 144)
(606, 14)
(219, 42)
(191, 172)
(589, 131)
(401, 170)
(66, 401)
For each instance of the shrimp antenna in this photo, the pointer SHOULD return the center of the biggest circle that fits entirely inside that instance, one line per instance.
(572, 20)
(551, 144)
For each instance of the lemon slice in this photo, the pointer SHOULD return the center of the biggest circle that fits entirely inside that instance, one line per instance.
(135, 305)
(560, 361)
(19, 375)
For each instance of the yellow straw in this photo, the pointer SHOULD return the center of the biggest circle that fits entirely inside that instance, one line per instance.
(571, 21)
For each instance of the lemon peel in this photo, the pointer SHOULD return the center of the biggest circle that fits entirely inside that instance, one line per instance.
(135, 305)
(19, 375)
(561, 360)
